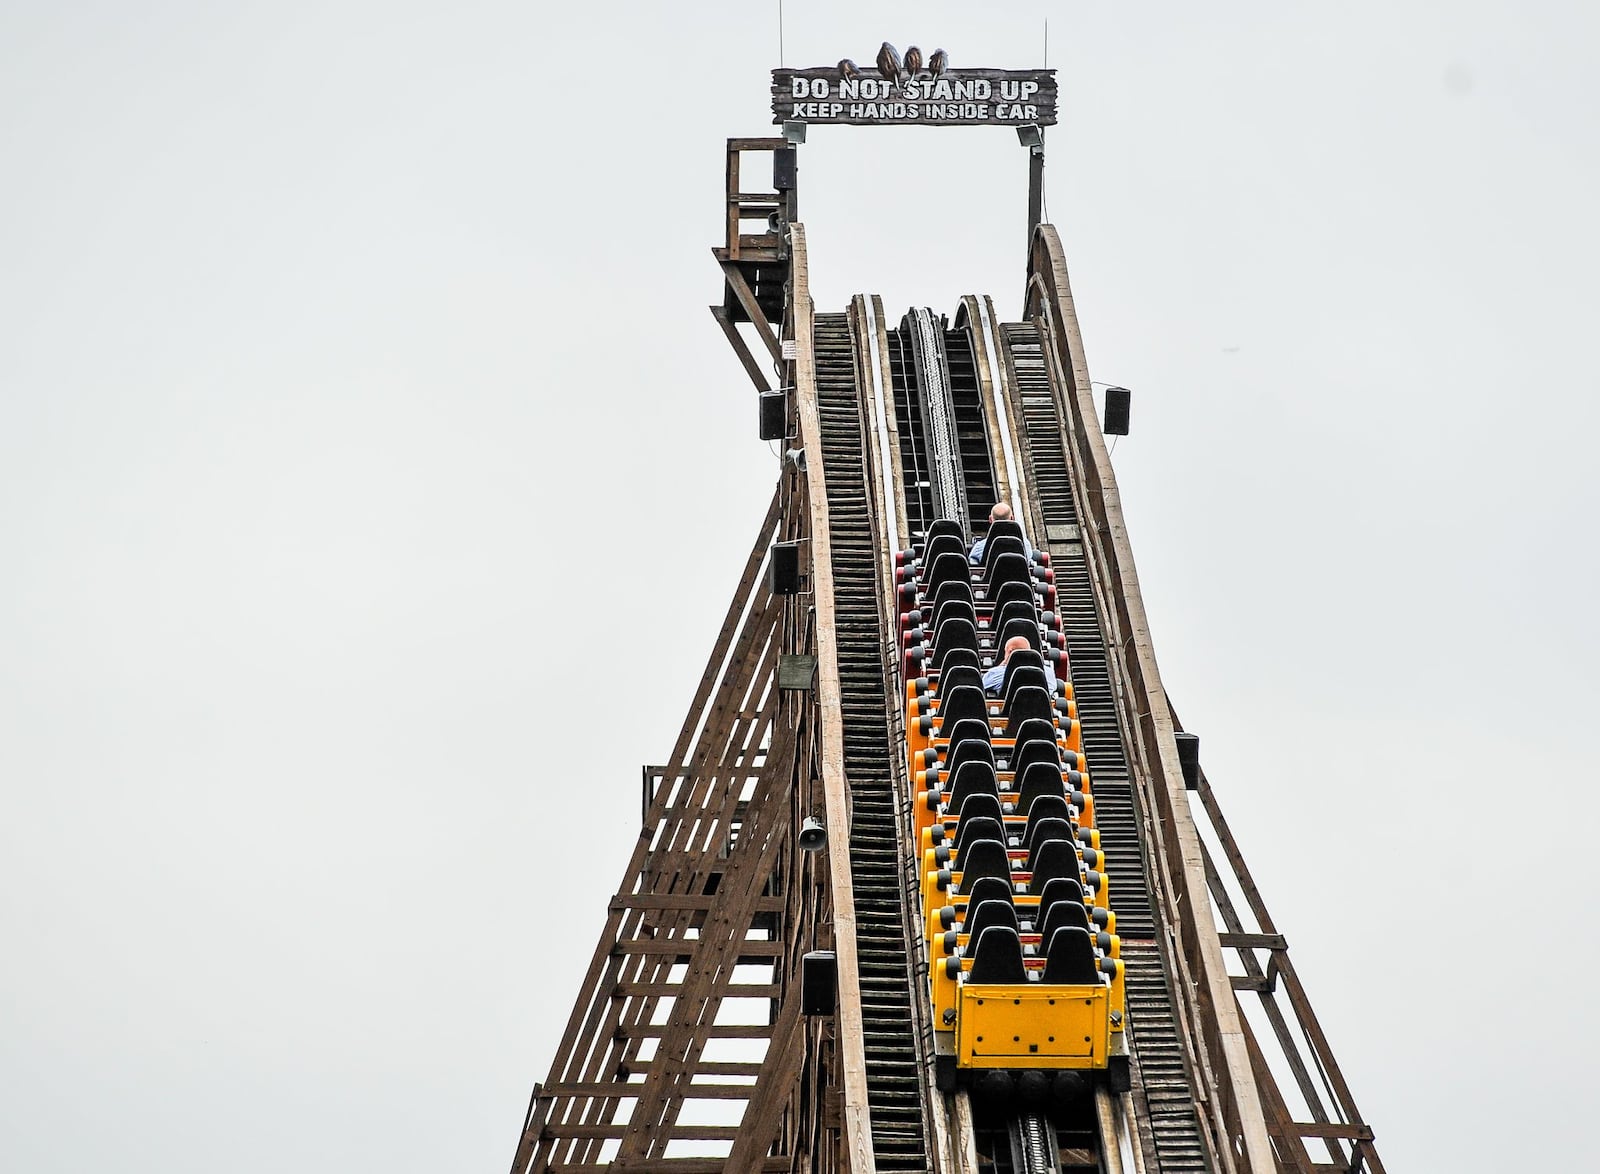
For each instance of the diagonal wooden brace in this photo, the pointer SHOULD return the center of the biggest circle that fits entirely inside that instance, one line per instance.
(747, 298)
(741, 348)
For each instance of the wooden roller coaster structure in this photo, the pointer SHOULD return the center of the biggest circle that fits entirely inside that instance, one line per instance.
(690, 1049)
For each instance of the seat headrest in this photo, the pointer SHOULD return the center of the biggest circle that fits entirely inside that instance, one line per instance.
(997, 956)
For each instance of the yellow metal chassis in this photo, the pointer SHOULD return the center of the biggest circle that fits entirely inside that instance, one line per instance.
(1003, 1025)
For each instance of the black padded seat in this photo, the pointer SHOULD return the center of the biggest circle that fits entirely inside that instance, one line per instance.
(1008, 526)
(1006, 568)
(1052, 859)
(1025, 628)
(1030, 729)
(1011, 593)
(955, 633)
(1041, 831)
(974, 827)
(986, 913)
(968, 730)
(1038, 750)
(997, 545)
(1025, 658)
(964, 702)
(1013, 609)
(959, 674)
(1039, 781)
(951, 609)
(1018, 677)
(1056, 891)
(979, 806)
(945, 526)
(946, 568)
(1045, 807)
(972, 778)
(1064, 912)
(1061, 888)
(997, 956)
(941, 544)
(988, 888)
(957, 656)
(949, 591)
(967, 750)
(1070, 958)
(984, 858)
(1030, 703)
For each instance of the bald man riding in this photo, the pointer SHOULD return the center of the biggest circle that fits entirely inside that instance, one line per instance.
(1001, 512)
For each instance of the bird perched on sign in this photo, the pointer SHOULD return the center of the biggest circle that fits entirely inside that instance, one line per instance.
(848, 69)
(913, 61)
(938, 63)
(889, 61)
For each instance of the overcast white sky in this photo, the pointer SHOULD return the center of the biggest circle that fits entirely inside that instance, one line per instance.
(345, 346)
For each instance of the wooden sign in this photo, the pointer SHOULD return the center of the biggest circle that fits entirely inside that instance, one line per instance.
(904, 92)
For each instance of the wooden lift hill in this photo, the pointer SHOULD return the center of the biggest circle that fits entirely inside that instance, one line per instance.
(757, 1000)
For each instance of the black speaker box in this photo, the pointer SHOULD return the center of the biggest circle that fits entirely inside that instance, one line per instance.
(783, 569)
(774, 415)
(819, 982)
(1118, 401)
(784, 166)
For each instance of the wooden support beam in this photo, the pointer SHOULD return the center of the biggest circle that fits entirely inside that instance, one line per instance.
(747, 298)
(1347, 1132)
(616, 1088)
(1253, 941)
(749, 953)
(715, 1031)
(740, 348)
(699, 1165)
(1261, 984)
(672, 990)
(677, 1133)
(683, 902)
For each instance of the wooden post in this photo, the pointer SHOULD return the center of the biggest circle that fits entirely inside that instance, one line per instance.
(1035, 192)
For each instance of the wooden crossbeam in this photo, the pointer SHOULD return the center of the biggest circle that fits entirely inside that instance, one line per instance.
(716, 1030)
(677, 1133)
(1253, 941)
(684, 902)
(697, 1165)
(681, 948)
(1349, 1132)
(614, 1088)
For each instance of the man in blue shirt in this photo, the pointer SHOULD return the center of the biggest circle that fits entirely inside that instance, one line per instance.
(994, 680)
(1001, 512)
